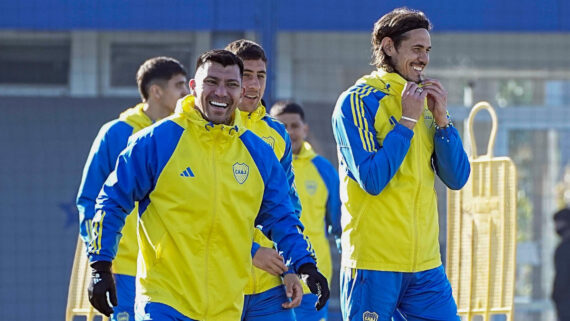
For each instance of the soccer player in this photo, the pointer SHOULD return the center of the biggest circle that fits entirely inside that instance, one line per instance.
(267, 295)
(203, 184)
(394, 134)
(161, 82)
(318, 187)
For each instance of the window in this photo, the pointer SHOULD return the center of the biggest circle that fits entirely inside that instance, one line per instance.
(34, 62)
(127, 57)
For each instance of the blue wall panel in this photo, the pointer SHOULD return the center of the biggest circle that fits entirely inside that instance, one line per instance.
(447, 15)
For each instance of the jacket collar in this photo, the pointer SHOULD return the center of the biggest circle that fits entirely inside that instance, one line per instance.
(255, 115)
(186, 107)
(306, 152)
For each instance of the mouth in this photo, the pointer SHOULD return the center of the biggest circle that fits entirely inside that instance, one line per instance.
(251, 96)
(219, 104)
(418, 68)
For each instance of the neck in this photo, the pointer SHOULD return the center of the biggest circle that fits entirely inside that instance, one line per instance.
(247, 109)
(298, 150)
(154, 111)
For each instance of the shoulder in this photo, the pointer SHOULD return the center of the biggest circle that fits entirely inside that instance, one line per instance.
(275, 125)
(166, 131)
(358, 96)
(116, 128)
(324, 167)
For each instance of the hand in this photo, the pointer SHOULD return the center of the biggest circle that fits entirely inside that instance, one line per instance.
(293, 289)
(436, 100)
(270, 261)
(102, 283)
(316, 282)
(413, 98)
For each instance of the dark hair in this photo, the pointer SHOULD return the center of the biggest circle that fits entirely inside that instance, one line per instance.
(287, 107)
(157, 69)
(223, 57)
(395, 24)
(247, 50)
(563, 215)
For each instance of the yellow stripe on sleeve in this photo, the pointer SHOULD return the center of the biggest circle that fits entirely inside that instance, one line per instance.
(356, 116)
(99, 231)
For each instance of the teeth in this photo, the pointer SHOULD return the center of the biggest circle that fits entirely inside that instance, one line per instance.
(218, 104)
(250, 97)
(418, 68)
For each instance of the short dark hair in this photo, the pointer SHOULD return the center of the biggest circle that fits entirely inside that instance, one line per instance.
(157, 69)
(223, 57)
(247, 50)
(562, 215)
(287, 107)
(395, 24)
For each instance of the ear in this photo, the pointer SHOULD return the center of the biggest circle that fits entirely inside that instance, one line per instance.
(192, 85)
(388, 46)
(155, 91)
(305, 130)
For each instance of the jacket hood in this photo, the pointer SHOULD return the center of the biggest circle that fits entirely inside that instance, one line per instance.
(186, 107)
(306, 152)
(136, 116)
(386, 82)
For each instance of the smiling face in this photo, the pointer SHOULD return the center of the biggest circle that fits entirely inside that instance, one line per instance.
(411, 57)
(254, 81)
(217, 90)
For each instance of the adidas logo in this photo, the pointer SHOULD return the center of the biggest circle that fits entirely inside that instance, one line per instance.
(187, 172)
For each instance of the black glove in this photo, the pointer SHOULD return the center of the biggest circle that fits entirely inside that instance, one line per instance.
(316, 282)
(102, 282)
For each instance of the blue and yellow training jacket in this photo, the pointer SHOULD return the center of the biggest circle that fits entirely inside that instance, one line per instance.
(275, 135)
(111, 140)
(318, 187)
(387, 172)
(202, 189)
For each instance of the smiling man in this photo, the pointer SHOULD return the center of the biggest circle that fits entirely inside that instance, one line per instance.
(268, 296)
(203, 184)
(393, 135)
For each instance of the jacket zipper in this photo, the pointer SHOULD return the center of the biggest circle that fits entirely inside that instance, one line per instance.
(214, 208)
(415, 212)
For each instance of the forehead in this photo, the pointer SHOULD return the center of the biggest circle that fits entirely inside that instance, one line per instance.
(417, 37)
(289, 118)
(216, 70)
(254, 65)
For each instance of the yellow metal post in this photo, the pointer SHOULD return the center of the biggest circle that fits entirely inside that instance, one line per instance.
(77, 300)
(481, 233)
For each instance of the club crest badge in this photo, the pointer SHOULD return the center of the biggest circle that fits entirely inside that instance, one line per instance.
(369, 316)
(241, 172)
(311, 187)
(123, 316)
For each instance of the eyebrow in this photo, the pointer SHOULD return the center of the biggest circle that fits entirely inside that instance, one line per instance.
(260, 72)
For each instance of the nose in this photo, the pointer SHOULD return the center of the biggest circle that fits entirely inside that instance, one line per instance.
(253, 83)
(221, 91)
(424, 57)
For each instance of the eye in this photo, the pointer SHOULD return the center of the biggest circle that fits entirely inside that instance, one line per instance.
(233, 85)
(210, 81)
